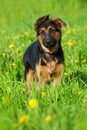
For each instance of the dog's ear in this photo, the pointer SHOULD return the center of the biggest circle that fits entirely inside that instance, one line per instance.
(40, 21)
(59, 23)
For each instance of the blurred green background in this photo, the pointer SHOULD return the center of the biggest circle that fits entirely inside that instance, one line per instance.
(15, 13)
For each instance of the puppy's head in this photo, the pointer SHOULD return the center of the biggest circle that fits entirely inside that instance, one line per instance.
(49, 33)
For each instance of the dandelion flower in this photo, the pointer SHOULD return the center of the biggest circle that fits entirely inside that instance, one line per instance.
(23, 118)
(65, 73)
(84, 61)
(26, 33)
(43, 94)
(85, 101)
(32, 103)
(3, 55)
(23, 89)
(20, 54)
(12, 64)
(70, 42)
(11, 46)
(48, 118)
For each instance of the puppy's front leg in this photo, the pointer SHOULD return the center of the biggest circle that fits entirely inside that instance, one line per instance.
(58, 74)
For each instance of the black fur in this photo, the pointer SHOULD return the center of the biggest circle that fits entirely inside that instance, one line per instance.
(33, 54)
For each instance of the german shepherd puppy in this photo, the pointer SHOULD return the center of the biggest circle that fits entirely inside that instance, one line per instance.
(44, 59)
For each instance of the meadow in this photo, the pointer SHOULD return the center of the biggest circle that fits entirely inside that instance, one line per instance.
(64, 108)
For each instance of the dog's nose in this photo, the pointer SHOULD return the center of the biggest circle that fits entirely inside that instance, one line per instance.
(47, 40)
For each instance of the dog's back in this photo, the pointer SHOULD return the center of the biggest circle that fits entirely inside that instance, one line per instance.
(31, 57)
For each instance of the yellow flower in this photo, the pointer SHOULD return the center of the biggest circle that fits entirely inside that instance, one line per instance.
(3, 55)
(65, 73)
(70, 42)
(84, 61)
(20, 54)
(85, 101)
(43, 94)
(23, 89)
(13, 65)
(48, 118)
(23, 118)
(11, 46)
(32, 103)
(26, 33)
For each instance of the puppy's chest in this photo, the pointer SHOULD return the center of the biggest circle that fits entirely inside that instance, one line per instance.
(50, 62)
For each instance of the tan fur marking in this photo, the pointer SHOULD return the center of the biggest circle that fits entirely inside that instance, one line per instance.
(50, 71)
(44, 48)
(46, 29)
(57, 35)
(49, 27)
(29, 77)
(43, 29)
(55, 48)
(42, 73)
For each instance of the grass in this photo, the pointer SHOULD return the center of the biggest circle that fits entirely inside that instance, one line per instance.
(64, 108)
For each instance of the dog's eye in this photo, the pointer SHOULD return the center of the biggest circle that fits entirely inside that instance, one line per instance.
(52, 30)
(42, 32)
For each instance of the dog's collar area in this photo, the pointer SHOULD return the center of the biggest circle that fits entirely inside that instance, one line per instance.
(46, 57)
(57, 57)
(58, 51)
(42, 51)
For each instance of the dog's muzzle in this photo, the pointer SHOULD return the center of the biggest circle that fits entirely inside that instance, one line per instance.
(49, 43)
